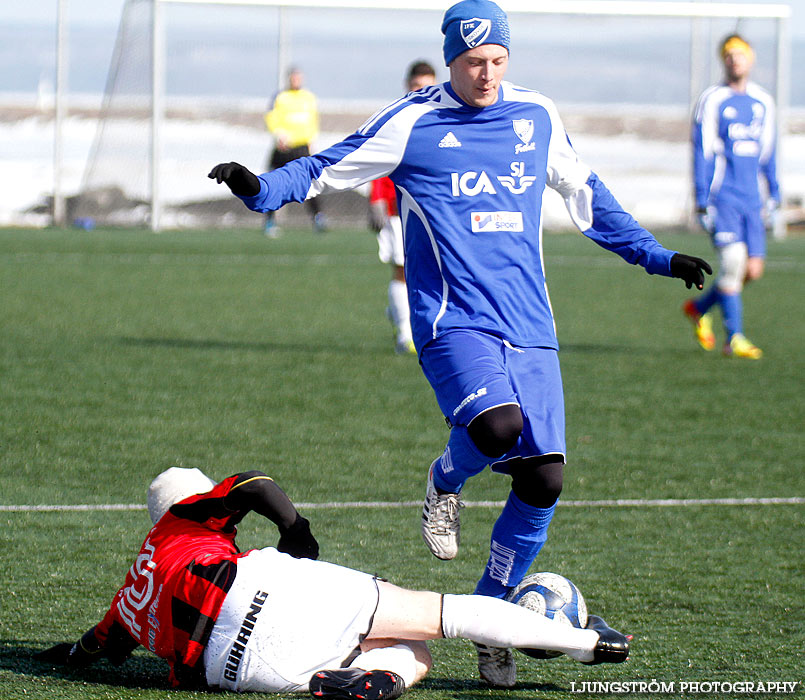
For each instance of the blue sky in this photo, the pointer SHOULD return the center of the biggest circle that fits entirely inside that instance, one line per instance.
(44, 11)
(108, 11)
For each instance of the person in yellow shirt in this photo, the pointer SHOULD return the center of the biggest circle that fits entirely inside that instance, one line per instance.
(294, 122)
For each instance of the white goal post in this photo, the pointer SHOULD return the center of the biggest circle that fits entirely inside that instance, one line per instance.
(635, 8)
(696, 12)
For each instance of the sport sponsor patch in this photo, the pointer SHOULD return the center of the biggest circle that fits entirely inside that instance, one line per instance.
(722, 238)
(747, 149)
(483, 221)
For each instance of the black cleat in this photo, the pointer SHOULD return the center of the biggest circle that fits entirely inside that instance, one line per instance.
(612, 646)
(349, 683)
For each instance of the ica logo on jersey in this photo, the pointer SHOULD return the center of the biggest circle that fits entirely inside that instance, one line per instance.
(472, 183)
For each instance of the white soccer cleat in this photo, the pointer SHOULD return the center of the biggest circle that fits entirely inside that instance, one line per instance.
(496, 666)
(440, 520)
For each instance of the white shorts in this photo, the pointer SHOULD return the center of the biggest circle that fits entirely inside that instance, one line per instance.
(390, 242)
(284, 619)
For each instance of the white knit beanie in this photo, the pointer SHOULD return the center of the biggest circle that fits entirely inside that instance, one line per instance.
(173, 485)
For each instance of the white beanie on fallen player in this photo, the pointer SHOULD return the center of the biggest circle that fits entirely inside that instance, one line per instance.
(173, 485)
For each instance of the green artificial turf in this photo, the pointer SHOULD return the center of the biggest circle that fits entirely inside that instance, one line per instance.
(125, 352)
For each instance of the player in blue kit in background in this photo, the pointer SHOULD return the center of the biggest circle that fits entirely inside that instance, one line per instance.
(733, 143)
(470, 159)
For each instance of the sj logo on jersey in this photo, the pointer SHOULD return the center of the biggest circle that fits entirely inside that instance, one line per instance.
(483, 221)
(471, 184)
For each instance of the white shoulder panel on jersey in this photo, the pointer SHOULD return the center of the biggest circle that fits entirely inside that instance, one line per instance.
(376, 157)
(769, 134)
(435, 94)
(707, 116)
(566, 173)
(706, 96)
(760, 94)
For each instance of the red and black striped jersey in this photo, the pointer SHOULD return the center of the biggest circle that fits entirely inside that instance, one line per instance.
(175, 588)
(383, 190)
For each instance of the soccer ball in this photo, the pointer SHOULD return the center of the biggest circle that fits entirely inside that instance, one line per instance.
(555, 597)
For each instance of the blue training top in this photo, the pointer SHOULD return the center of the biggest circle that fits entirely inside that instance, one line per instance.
(469, 185)
(733, 142)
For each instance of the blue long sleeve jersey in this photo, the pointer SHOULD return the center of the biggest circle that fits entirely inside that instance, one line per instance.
(733, 142)
(469, 185)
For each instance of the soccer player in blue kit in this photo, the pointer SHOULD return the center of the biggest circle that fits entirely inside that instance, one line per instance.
(470, 159)
(733, 143)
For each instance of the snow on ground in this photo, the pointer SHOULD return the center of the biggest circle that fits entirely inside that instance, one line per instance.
(649, 177)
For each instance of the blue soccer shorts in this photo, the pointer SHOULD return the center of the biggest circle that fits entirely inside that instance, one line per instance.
(472, 372)
(734, 224)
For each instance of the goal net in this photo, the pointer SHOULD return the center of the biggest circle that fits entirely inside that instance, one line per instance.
(191, 80)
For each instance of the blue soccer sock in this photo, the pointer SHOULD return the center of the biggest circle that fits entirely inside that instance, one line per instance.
(707, 300)
(732, 310)
(517, 537)
(460, 460)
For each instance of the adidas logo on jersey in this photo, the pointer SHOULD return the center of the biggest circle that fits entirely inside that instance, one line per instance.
(449, 141)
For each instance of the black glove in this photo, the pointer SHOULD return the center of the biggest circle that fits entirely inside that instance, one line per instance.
(297, 540)
(690, 269)
(66, 654)
(58, 654)
(242, 181)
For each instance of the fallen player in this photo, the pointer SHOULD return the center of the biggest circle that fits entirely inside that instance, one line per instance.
(277, 620)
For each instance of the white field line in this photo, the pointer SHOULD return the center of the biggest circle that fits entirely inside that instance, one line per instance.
(337, 505)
